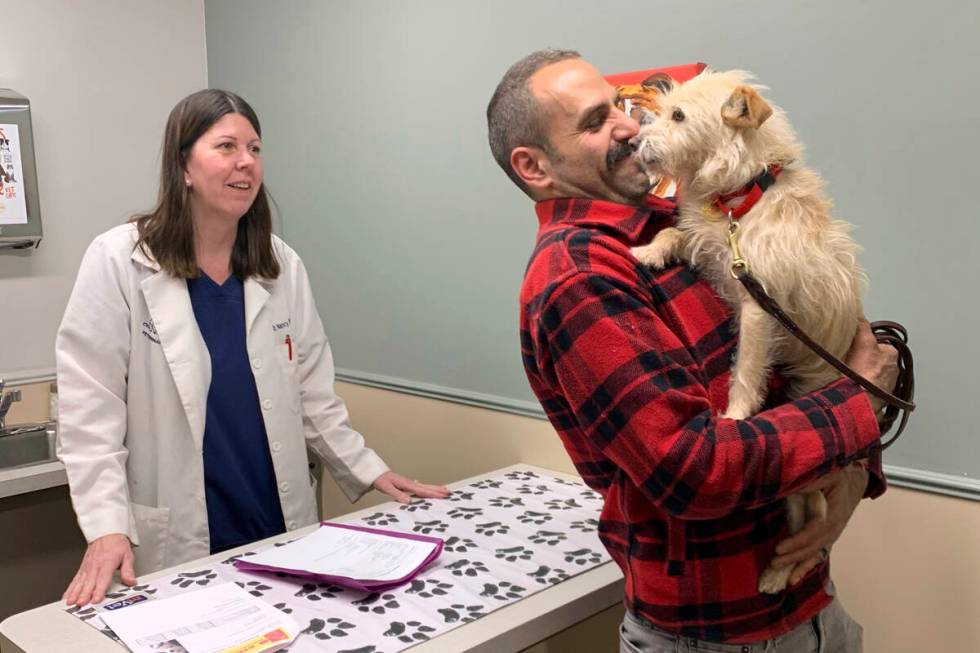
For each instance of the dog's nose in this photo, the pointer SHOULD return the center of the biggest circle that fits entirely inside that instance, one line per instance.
(635, 143)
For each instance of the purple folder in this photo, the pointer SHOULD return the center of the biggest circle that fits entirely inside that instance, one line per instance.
(355, 583)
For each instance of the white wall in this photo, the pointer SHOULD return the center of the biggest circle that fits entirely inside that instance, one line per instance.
(101, 77)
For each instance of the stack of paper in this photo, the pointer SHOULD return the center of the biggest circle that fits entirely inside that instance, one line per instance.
(218, 619)
(367, 559)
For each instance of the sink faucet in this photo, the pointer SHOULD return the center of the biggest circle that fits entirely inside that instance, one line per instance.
(5, 400)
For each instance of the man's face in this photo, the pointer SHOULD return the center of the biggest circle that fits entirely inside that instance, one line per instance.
(588, 135)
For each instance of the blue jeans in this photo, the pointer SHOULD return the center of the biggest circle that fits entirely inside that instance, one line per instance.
(831, 631)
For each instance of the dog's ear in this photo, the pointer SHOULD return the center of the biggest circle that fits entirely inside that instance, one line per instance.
(660, 81)
(745, 108)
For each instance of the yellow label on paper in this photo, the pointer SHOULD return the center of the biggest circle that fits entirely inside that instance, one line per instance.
(261, 643)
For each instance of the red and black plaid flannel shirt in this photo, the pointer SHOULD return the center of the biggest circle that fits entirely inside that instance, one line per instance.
(632, 369)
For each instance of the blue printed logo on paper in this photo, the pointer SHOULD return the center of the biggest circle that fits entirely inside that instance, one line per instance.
(126, 602)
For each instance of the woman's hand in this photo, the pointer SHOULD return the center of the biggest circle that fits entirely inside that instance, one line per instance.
(400, 488)
(103, 556)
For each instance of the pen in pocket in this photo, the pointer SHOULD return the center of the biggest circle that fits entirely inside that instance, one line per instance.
(289, 347)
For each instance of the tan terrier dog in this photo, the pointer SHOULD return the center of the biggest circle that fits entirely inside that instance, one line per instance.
(737, 162)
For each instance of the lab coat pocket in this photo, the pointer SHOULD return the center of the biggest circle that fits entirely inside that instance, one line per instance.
(153, 527)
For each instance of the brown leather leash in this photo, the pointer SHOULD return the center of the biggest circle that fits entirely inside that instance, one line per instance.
(892, 333)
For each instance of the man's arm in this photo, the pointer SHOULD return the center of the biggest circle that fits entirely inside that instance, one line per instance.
(626, 375)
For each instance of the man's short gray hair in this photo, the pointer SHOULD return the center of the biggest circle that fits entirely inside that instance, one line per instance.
(513, 116)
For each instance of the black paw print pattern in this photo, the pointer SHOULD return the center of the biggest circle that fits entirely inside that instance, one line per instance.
(324, 629)
(562, 504)
(514, 553)
(487, 484)
(532, 489)
(409, 632)
(492, 528)
(426, 527)
(467, 568)
(561, 481)
(428, 588)
(228, 561)
(364, 649)
(548, 576)
(415, 504)
(551, 538)
(590, 495)
(284, 607)
(459, 544)
(128, 591)
(319, 591)
(585, 525)
(459, 495)
(381, 519)
(84, 614)
(459, 612)
(583, 556)
(521, 475)
(506, 502)
(531, 517)
(188, 578)
(254, 587)
(377, 603)
(465, 513)
(502, 591)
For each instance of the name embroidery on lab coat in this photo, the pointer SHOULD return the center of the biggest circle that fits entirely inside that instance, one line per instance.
(150, 331)
(282, 325)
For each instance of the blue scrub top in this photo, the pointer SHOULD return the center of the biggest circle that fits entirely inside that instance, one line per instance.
(239, 479)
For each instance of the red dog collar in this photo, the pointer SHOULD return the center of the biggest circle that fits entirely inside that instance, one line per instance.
(752, 191)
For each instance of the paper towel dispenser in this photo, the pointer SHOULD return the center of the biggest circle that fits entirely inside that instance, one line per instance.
(20, 210)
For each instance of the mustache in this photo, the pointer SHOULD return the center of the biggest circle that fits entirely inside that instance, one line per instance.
(619, 151)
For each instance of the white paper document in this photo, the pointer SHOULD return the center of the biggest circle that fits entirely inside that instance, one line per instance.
(351, 553)
(218, 619)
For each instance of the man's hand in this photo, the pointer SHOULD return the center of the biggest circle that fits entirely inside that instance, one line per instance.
(810, 547)
(877, 363)
(399, 488)
(103, 556)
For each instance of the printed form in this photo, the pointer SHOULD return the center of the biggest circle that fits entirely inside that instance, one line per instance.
(218, 619)
(351, 553)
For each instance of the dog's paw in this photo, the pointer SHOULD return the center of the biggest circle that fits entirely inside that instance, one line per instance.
(665, 249)
(774, 581)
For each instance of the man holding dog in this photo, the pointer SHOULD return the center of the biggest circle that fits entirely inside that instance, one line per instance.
(631, 367)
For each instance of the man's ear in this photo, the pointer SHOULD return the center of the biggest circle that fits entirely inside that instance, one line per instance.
(745, 108)
(532, 166)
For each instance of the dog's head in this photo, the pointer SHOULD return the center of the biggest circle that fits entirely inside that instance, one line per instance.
(714, 129)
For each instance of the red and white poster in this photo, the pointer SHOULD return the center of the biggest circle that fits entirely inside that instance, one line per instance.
(13, 209)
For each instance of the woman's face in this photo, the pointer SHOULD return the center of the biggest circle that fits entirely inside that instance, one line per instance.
(224, 169)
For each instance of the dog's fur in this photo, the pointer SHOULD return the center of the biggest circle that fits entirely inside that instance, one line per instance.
(714, 134)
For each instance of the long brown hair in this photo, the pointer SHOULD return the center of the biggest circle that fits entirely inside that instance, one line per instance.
(167, 232)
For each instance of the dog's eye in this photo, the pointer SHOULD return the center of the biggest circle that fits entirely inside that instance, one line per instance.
(677, 116)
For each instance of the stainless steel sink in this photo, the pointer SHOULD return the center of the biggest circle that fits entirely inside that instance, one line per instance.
(27, 444)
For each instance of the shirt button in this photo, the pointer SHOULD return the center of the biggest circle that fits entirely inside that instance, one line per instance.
(267, 404)
(257, 363)
(284, 487)
(276, 446)
(291, 526)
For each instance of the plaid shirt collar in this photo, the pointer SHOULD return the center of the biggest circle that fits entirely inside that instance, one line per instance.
(631, 224)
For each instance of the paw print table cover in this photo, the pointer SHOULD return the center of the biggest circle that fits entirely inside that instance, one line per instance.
(506, 537)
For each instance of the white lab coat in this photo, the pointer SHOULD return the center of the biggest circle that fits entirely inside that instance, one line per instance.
(133, 379)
